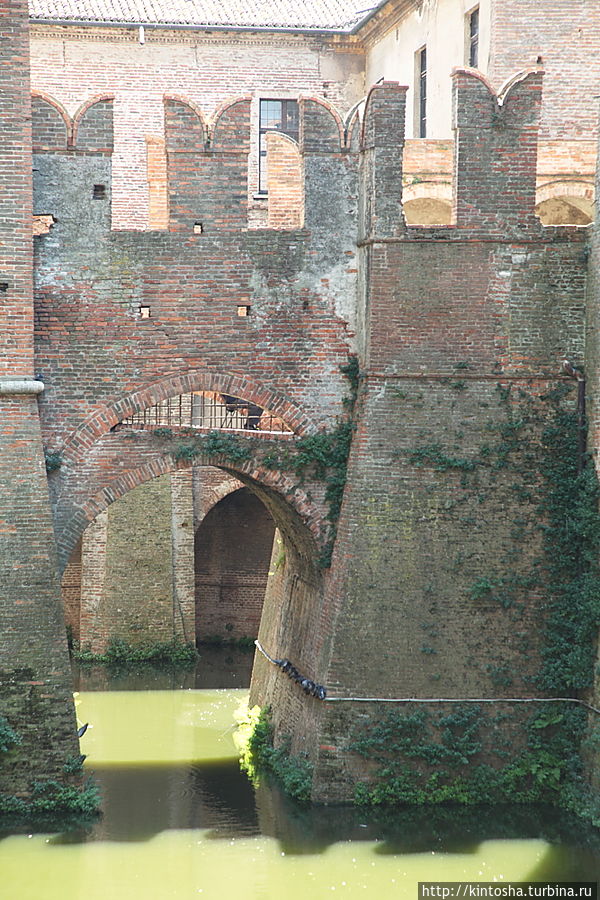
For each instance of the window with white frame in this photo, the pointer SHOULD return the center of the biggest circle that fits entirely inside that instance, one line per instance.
(421, 92)
(472, 37)
(274, 115)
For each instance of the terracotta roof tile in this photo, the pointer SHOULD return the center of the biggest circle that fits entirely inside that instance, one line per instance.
(317, 15)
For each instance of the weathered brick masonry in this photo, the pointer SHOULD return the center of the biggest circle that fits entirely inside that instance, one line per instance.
(456, 328)
(35, 693)
(184, 555)
(106, 361)
(462, 326)
(207, 70)
(233, 551)
(565, 41)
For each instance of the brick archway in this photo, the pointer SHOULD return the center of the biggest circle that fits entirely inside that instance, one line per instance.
(106, 416)
(233, 547)
(123, 461)
(119, 461)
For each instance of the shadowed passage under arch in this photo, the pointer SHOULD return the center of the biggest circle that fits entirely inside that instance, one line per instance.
(184, 555)
(232, 551)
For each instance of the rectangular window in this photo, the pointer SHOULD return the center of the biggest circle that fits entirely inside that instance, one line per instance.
(275, 115)
(473, 38)
(421, 92)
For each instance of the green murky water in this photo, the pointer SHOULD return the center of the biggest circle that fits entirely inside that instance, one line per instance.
(180, 821)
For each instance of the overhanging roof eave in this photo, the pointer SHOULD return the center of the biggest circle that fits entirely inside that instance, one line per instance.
(189, 26)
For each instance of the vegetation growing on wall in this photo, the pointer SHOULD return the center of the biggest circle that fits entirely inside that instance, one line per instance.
(321, 457)
(53, 460)
(48, 798)
(258, 756)
(8, 737)
(424, 757)
(122, 655)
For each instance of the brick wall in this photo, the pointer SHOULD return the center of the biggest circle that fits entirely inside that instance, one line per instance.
(16, 313)
(284, 179)
(464, 327)
(564, 38)
(133, 547)
(103, 361)
(592, 372)
(456, 321)
(71, 591)
(448, 320)
(209, 486)
(75, 64)
(137, 568)
(35, 692)
(133, 574)
(233, 550)
(499, 137)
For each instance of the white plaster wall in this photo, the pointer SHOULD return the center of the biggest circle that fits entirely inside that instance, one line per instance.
(440, 25)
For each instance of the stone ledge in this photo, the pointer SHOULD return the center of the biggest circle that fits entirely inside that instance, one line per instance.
(20, 386)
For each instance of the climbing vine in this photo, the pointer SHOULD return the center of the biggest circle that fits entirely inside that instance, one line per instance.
(259, 757)
(321, 457)
(531, 455)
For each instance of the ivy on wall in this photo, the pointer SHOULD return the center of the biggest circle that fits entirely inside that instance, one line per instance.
(423, 757)
(321, 457)
(48, 799)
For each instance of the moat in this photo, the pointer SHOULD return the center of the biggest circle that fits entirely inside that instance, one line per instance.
(181, 821)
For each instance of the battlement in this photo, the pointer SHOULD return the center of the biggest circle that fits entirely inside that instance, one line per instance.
(495, 161)
(199, 177)
(90, 130)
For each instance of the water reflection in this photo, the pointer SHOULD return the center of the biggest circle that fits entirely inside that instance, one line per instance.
(141, 802)
(181, 821)
(217, 667)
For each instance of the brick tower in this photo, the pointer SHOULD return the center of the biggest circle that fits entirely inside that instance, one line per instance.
(34, 697)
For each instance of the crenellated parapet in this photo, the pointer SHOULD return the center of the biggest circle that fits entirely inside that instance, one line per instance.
(381, 145)
(90, 130)
(495, 155)
(207, 167)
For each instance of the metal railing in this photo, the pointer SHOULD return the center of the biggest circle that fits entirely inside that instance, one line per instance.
(208, 410)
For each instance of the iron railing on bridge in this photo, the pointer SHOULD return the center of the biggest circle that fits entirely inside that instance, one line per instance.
(208, 410)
